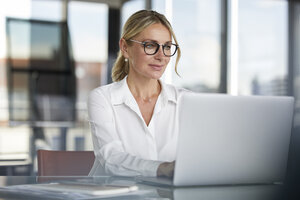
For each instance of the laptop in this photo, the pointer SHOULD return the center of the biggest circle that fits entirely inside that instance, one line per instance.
(227, 139)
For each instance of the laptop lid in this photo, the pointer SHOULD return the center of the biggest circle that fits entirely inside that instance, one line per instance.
(227, 139)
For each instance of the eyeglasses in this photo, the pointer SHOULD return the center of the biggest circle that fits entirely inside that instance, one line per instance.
(151, 48)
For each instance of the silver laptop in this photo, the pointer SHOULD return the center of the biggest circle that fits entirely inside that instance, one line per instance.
(227, 139)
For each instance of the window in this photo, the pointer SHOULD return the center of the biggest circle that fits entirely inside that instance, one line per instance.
(12, 8)
(198, 31)
(263, 48)
(129, 8)
(88, 26)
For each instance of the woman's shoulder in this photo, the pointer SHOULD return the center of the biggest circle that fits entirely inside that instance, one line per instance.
(102, 93)
(104, 89)
(175, 91)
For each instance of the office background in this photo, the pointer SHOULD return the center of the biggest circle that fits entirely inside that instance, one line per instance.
(53, 52)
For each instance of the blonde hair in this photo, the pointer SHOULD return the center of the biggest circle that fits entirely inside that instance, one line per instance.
(133, 26)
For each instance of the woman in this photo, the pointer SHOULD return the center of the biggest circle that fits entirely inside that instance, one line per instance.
(133, 120)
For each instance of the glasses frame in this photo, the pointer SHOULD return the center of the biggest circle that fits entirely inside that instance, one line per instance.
(158, 46)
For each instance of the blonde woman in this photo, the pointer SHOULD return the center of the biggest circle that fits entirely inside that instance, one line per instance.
(133, 120)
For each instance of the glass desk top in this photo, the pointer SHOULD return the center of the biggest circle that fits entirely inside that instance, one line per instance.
(12, 187)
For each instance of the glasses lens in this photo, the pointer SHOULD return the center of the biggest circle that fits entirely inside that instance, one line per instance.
(151, 48)
(169, 49)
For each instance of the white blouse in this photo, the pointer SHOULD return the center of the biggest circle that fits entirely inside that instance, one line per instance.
(123, 144)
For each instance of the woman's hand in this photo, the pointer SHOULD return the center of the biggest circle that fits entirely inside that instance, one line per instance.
(166, 169)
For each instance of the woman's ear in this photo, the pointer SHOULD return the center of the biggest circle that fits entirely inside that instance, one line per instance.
(124, 47)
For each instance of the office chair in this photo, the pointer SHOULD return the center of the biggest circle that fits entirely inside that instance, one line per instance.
(64, 163)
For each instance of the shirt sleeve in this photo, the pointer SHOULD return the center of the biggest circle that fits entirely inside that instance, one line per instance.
(108, 147)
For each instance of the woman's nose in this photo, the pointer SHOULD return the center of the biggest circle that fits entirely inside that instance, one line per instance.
(160, 52)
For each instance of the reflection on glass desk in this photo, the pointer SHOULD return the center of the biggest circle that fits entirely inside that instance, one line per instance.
(253, 192)
(237, 192)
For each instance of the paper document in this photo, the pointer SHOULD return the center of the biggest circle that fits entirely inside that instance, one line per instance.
(70, 190)
(92, 189)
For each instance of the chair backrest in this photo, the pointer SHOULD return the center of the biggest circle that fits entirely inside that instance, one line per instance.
(64, 163)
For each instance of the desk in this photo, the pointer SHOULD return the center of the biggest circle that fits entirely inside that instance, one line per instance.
(245, 192)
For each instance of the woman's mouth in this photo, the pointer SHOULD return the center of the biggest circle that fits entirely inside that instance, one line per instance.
(156, 67)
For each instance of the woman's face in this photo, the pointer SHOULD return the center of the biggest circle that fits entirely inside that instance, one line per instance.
(149, 66)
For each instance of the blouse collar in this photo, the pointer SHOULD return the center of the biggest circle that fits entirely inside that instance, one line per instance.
(120, 93)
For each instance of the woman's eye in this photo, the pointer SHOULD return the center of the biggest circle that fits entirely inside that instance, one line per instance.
(150, 45)
(167, 47)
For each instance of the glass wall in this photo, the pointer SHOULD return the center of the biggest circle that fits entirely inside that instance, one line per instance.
(88, 43)
(295, 58)
(129, 8)
(197, 25)
(13, 8)
(262, 44)
(263, 47)
(10, 152)
(88, 26)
